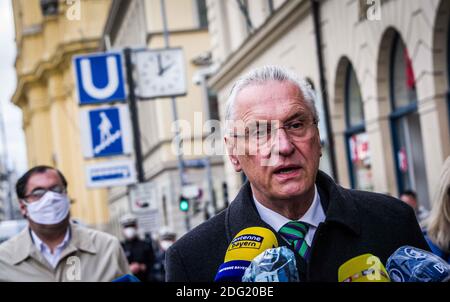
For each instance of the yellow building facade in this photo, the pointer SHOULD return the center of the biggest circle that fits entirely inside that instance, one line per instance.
(48, 35)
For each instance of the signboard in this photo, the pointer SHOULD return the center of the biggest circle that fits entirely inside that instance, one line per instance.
(149, 222)
(190, 191)
(106, 131)
(143, 198)
(99, 78)
(110, 174)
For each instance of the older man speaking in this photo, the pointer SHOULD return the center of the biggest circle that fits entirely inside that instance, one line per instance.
(272, 136)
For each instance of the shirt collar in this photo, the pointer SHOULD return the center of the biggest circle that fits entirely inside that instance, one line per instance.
(41, 246)
(24, 246)
(313, 216)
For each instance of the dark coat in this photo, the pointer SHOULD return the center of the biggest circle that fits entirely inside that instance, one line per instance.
(142, 252)
(356, 223)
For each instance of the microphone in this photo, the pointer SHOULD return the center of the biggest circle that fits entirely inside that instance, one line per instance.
(410, 264)
(126, 278)
(273, 265)
(363, 268)
(245, 246)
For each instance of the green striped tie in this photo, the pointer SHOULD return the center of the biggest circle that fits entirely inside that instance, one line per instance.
(294, 232)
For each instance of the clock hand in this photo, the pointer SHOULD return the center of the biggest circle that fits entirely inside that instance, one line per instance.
(160, 68)
(164, 69)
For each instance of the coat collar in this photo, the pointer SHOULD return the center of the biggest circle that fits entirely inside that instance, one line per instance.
(338, 205)
(24, 247)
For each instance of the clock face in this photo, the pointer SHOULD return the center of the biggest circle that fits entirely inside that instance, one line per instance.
(160, 73)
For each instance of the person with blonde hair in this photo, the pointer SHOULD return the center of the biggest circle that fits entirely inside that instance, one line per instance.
(438, 223)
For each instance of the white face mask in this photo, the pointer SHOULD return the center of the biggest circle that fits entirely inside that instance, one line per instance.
(52, 208)
(129, 232)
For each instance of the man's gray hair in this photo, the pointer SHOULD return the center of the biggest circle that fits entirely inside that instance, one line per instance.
(265, 74)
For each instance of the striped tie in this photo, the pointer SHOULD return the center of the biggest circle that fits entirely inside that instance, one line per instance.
(294, 232)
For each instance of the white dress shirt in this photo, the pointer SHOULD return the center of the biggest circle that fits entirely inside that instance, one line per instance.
(313, 217)
(45, 250)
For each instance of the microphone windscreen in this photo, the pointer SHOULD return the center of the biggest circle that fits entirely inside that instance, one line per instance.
(363, 268)
(126, 278)
(410, 264)
(244, 247)
(273, 265)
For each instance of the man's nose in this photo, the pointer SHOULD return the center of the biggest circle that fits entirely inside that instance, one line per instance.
(282, 144)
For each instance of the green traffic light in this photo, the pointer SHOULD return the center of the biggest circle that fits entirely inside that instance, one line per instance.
(184, 205)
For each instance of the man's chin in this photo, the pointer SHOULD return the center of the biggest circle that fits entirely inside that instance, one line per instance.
(289, 192)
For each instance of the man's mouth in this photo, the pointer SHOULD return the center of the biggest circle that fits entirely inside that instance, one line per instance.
(286, 169)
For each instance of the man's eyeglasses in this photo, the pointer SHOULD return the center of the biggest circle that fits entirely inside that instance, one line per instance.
(37, 193)
(263, 132)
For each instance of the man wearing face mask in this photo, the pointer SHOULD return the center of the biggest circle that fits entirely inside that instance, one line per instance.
(52, 248)
(139, 253)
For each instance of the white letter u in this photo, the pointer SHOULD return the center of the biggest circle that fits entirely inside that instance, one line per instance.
(113, 80)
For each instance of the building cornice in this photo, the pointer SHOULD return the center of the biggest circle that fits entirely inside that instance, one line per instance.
(63, 54)
(265, 36)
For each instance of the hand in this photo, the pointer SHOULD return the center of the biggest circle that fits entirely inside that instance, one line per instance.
(135, 268)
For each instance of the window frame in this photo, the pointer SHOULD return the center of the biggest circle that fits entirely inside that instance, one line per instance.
(397, 112)
(350, 129)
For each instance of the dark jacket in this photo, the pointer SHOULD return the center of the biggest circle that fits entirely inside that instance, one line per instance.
(356, 223)
(139, 251)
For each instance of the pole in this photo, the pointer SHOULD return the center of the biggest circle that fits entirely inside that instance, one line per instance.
(134, 116)
(323, 84)
(210, 185)
(207, 161)
(175, 114)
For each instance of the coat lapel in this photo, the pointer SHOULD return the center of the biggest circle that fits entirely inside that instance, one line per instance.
(338, 205)
(242, 214)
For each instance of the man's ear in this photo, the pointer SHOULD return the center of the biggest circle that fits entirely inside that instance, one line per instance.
(231, 148)
(23, 208)
(235, 162)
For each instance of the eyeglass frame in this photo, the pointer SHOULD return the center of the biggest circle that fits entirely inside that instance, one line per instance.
(249, 136)
(62, 191)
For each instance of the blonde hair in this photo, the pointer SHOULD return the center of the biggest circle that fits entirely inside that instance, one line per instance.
(438, 223)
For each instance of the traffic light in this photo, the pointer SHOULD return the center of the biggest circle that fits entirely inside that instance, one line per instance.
(184, 204)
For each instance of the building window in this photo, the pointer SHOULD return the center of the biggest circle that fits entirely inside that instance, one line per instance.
(49, 7)
(405, 124)
(244, 9)
(202, 13)
(359, 158)
(271, 6)
(213, 105)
